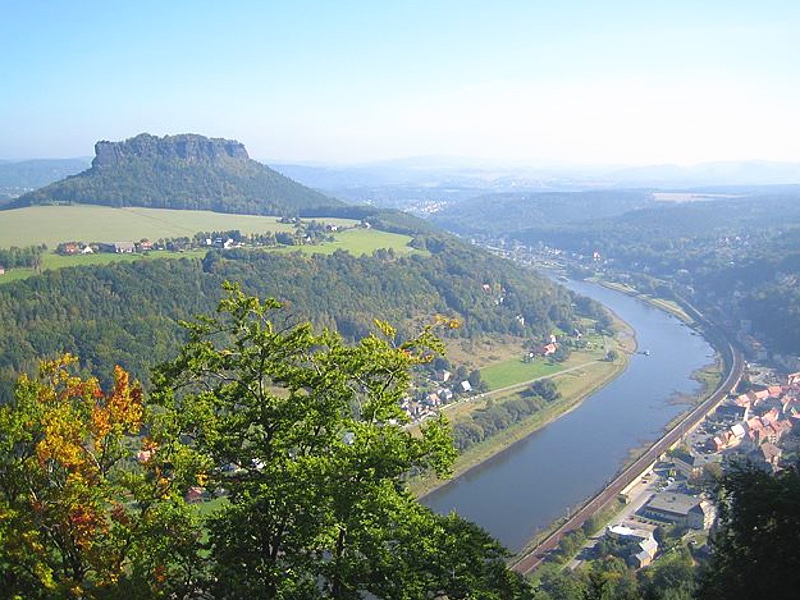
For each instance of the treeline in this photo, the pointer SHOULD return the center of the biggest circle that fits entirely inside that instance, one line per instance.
(496, 417)
(128, 313)
(13, 257)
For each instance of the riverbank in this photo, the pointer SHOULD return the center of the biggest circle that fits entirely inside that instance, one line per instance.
(574, 384)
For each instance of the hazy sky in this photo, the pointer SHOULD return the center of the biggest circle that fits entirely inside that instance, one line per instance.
(590, 81)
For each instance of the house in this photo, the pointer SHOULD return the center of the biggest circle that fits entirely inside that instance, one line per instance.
(770, 416)
(687, 464)
(775, 391)
(679, 509)
(647, 552)
(738, 430)
(117, 247)
(433, 399)
(643, 553)
(124, 247)
(195, 495)
(466, 386)
(2, 270)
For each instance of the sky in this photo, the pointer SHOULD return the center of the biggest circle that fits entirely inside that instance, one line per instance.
(591, 82)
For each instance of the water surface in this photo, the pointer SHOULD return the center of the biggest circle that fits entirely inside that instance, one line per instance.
(539, 479)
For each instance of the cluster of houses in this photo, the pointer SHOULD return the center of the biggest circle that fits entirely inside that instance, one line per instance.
(751, 424)
(73, 248)
(428, 404)
(755, 422)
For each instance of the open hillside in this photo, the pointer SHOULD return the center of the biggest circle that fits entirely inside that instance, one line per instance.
(52, 225)
(184, 171)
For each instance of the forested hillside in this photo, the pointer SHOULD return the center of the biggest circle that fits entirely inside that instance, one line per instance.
(181, 171)
(741, 255)
(501, 214)
(127, 313)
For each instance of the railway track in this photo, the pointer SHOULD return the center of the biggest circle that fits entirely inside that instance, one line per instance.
(734, 362)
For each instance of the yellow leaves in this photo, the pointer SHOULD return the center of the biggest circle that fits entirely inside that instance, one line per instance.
(125, 402)
(385, 328)
(447, 322)
(202, 479)
(62, 439)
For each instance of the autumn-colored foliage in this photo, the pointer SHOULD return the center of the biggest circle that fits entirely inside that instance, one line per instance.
(73, 496)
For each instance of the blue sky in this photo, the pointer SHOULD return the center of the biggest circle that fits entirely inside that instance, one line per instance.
(583, 82)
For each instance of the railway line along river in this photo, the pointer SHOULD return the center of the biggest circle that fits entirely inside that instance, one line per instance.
(553, 471)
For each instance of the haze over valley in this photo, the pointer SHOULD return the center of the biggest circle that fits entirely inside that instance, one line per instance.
(411, 302)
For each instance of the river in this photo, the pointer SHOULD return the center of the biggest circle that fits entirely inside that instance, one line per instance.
(522, 490)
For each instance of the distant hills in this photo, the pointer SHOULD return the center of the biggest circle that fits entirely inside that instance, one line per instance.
(186, 171)
(424, 184)
(500, 214)
(21, 176)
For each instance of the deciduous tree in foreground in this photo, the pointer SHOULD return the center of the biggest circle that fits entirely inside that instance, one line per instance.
(300, 435)
(88, 506)
(306, 435)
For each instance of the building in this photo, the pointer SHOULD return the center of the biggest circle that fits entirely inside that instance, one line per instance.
(679, 509)
(645, 548)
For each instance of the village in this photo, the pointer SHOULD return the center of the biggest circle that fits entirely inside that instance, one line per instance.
(758, 426)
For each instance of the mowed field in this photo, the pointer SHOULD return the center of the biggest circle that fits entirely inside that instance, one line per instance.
(52, 225)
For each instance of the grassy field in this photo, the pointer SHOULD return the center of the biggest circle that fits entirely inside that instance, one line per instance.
(513, 371)
(359, 242)
(52, 225)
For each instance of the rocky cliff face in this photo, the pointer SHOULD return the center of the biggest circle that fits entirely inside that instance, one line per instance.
(189, 147)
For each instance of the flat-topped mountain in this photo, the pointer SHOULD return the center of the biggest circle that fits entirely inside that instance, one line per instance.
(185, 171)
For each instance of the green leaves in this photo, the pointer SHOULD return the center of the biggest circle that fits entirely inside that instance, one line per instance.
(306, 435)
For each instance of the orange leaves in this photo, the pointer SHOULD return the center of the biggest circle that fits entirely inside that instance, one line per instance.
(85, 523)
(80, 481)
(125, 402)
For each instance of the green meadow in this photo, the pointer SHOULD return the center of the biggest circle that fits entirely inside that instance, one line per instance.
(510, 372)
(52, 225)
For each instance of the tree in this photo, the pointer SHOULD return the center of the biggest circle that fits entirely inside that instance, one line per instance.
(754, 551)
(88, 507)
(306, 435)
